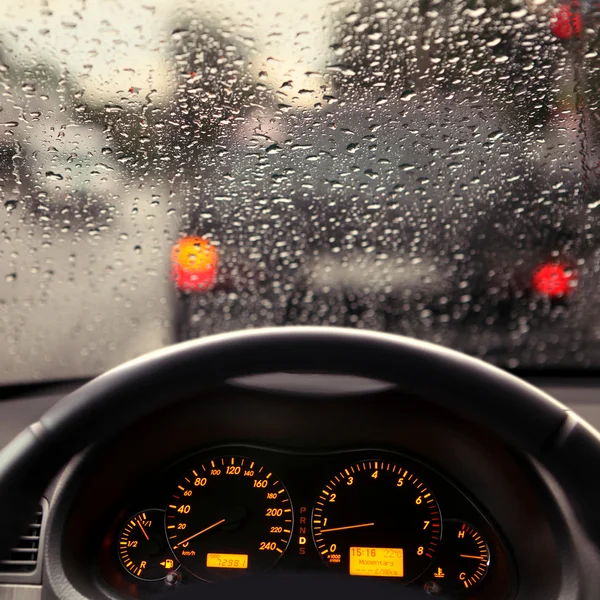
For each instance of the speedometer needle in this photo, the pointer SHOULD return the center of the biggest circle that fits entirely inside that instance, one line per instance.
(469, 556)
(199, 533)
(347, 527)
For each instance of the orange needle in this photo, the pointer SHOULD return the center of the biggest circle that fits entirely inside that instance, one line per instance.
(199, 533)
(347, 527)
(468, 556)
(142, 528)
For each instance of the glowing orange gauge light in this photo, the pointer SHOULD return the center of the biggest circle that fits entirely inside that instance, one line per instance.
(376, 562)
(554, 280)
(226, 561)
(566, 22)
(194, 263)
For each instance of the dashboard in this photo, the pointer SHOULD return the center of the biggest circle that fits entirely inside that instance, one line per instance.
(369, 483)
(229, 511)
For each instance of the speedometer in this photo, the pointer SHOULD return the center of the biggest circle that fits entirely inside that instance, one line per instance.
(227, 516)
(376, 518)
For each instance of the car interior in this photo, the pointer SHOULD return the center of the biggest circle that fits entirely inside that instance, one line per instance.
(299, 300)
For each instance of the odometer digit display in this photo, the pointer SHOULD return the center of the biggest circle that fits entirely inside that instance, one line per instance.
(229, 515)
(376, 518)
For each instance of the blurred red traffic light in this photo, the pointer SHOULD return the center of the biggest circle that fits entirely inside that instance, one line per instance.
(194, 262)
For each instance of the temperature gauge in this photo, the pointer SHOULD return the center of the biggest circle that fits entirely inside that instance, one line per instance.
(463, 560)
(143, 547)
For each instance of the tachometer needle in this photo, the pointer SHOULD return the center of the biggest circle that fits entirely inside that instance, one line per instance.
(142, 528)
(199, 533)
(469, 556)
(347, 527)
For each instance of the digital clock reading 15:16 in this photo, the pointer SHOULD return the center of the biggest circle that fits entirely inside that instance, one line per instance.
(377, 562)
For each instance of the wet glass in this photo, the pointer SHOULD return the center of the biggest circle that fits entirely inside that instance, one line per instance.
(172, 169)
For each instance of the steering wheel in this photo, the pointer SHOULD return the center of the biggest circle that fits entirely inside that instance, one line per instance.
(522, 416)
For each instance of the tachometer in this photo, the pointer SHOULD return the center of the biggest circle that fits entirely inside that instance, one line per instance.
(376, 518)
(227, 516)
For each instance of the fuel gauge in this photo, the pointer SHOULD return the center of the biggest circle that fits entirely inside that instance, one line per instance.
(463, 559)
(143, 547)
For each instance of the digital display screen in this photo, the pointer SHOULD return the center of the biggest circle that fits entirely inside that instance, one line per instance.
(227, 561)
(377, 562)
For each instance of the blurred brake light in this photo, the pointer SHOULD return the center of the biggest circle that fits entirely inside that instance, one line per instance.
(194, 262)
(554, 280)
(566, 21)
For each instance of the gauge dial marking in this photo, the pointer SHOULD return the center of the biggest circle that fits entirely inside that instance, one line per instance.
(464, 557)
(395, 514)
(250, 511)
(143, 549)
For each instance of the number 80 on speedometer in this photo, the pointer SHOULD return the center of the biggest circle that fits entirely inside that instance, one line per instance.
(227, 516)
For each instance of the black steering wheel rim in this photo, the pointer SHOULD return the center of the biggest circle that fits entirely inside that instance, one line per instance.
(518, 413)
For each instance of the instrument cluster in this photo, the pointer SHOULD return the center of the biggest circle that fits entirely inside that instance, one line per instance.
(231, 511)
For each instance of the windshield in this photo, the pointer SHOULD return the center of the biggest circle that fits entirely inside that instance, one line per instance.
(170, 170)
